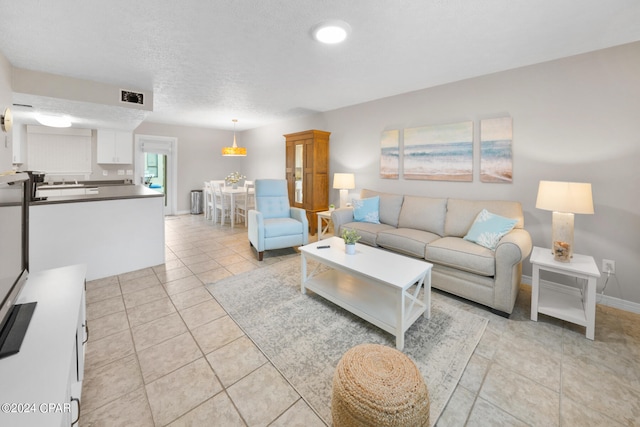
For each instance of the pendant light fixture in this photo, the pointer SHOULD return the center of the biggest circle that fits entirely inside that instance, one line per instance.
(234, 150)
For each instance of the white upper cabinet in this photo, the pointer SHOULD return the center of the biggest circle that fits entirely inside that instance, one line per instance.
(115, 146)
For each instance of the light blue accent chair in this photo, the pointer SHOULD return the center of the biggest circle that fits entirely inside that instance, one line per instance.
(274, 224)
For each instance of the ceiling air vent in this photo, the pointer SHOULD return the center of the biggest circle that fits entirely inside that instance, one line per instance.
(130, 97)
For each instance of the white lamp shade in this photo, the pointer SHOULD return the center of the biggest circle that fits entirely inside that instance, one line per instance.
(568, 197)
(344, 181)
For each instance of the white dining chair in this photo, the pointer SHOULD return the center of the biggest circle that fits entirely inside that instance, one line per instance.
(222, 204)
(208, 201)
(246, 202)
(214, 210)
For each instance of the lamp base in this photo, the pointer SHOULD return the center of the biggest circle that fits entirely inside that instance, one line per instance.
(562, 236)
(344, 198)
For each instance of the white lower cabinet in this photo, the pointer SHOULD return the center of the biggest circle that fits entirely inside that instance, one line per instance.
(42, 384)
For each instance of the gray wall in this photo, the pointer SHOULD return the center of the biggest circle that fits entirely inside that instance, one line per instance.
(575, 119)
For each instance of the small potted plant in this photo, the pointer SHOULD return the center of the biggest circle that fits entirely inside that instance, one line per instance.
(233, 178)
(332, 207)
(350, 238)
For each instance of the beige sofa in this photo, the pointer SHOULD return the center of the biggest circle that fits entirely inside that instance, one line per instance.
(433, 229)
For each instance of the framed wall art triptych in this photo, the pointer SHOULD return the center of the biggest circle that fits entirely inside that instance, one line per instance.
(446, 152)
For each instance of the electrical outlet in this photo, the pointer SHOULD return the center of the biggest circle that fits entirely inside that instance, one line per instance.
(105, 173)
(608, 266)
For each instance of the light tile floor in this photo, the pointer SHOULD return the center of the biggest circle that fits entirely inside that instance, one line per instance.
(163, 352)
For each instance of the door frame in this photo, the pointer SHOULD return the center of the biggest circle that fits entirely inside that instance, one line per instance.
(166, 145)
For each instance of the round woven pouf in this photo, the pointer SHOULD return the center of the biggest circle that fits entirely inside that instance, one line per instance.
(375, 385)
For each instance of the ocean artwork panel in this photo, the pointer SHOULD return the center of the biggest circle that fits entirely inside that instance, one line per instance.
(496, 153)
(390, 154)
(439, 152)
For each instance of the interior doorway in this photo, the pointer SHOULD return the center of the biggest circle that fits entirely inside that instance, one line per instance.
(156, 167)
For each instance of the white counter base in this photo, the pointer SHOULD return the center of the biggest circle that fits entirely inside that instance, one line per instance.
(109, 236)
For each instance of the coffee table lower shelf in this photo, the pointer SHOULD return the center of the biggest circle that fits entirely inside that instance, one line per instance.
(369, 301)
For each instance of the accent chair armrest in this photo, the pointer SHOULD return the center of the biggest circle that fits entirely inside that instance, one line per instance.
(301, 215)
(255, 230)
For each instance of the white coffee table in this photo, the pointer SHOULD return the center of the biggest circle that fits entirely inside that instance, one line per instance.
(373, 284)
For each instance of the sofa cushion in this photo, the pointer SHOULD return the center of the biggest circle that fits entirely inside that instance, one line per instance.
(462, 213)
(367, 210)
(423, 213)
(488, 229)
(463, 255)
(390, 205)
(406, 240)
(367, 230)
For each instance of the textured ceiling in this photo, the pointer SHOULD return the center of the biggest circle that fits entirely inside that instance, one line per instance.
(208, 62)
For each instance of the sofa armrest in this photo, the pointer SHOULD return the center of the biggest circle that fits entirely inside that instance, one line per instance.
(339, 217)
(514, 247)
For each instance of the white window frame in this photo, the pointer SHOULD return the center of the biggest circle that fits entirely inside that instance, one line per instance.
(59, 151)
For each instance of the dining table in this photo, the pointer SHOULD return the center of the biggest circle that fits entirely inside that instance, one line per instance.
(232, 193)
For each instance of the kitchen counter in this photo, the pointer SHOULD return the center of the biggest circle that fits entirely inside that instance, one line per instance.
(110, 192)
(118, 230)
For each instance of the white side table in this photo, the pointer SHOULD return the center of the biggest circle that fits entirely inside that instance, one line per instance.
(555, 302)
(324, 221)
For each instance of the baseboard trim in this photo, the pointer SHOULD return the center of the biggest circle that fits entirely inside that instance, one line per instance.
(600, 299)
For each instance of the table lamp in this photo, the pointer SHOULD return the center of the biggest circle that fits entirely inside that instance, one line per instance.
(565, 199)
(344, 182)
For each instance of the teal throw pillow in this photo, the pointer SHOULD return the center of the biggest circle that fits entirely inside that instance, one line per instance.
(488, 229)
(367, 210)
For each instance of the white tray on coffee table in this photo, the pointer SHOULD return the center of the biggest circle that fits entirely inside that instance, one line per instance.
(374, 284)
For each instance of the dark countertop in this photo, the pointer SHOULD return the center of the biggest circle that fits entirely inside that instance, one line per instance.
(110, 192)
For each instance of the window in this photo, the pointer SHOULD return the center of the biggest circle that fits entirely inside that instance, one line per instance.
(59, 151)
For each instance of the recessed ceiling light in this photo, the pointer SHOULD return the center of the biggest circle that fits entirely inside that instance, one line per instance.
(331, 32)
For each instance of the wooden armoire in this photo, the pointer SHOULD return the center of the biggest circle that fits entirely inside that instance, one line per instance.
(308, 172)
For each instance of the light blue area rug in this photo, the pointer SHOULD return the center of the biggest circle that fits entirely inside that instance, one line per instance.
(305, 336)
